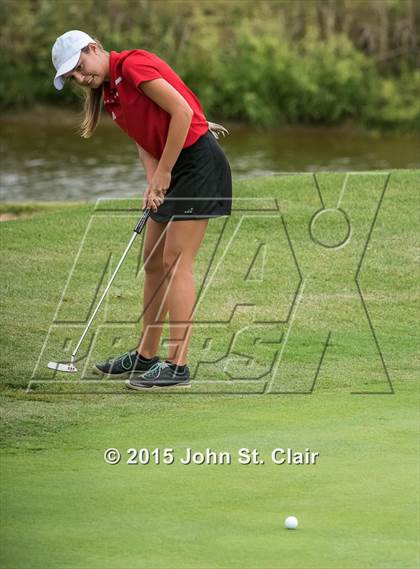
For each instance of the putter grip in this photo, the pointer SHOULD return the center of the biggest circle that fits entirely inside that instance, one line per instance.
(142, 221)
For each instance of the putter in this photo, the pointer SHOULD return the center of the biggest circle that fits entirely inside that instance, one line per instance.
(70, 367)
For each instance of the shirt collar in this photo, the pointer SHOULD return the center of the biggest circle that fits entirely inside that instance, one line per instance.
(114, 58)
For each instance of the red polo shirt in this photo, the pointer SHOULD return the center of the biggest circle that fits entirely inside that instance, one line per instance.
(140, 117)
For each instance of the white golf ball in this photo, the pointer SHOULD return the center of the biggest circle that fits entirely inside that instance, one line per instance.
(291, 522)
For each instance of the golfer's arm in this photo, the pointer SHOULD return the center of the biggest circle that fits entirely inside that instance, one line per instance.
(149, 162)
(168, 98)
(177, 134)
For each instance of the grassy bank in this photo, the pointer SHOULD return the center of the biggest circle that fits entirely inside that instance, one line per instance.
(328, 322)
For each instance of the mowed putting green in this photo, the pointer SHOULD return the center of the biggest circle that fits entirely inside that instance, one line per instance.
(357, 507)
(339, 332)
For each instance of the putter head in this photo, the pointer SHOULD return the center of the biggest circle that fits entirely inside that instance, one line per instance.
(68, 368)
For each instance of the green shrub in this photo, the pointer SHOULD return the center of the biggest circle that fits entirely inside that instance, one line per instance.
(245, 60)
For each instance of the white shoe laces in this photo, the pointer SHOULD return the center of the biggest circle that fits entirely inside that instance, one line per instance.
(155, 371)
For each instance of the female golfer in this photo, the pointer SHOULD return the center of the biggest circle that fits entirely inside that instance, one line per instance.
(189, 181)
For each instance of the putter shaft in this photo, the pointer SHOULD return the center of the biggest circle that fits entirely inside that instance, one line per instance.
(136, 231)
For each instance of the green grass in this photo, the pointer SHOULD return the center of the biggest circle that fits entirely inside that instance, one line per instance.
(358, 507)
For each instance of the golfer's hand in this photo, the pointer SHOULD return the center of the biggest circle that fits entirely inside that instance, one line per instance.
(155, 193)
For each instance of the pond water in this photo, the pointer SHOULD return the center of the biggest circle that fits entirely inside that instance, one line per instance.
(43, 158)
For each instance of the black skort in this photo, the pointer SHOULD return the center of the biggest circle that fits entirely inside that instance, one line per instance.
(201, 184)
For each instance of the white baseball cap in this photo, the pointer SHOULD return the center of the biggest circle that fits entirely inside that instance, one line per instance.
(66, 53)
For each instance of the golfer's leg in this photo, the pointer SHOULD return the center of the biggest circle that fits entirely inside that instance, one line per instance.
(155, 283)
(182, 242)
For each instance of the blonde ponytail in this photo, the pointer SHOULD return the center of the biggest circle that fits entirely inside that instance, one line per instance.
(92, 110)
(92, 105)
